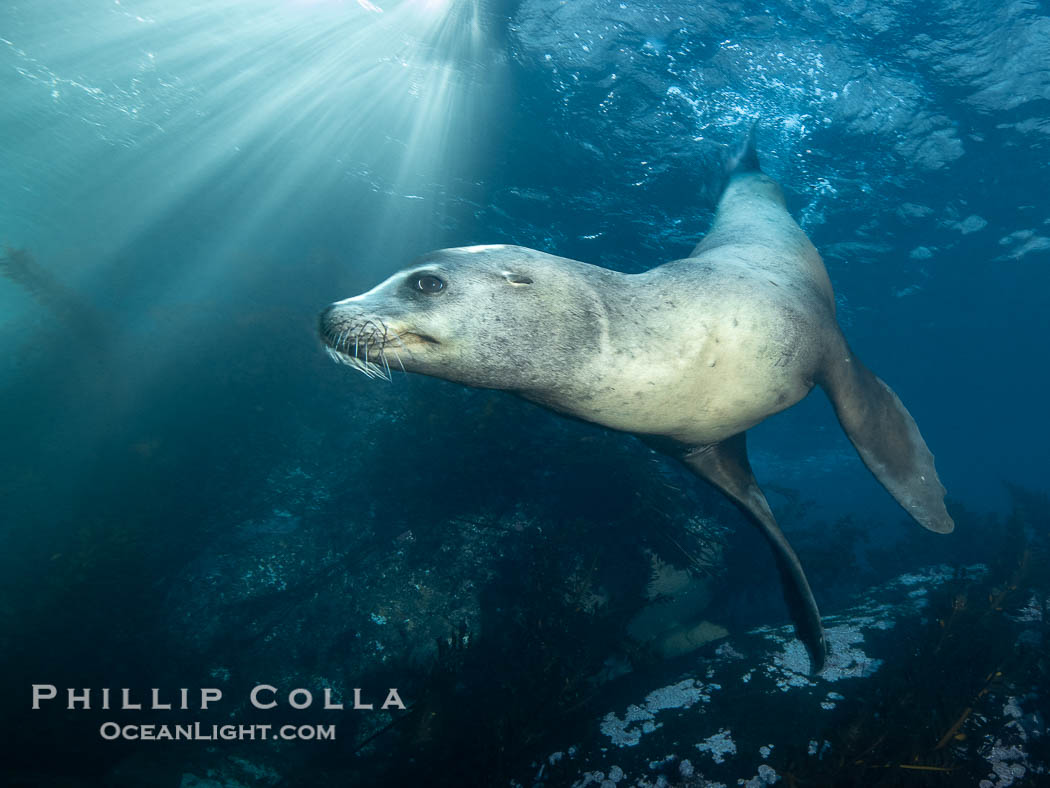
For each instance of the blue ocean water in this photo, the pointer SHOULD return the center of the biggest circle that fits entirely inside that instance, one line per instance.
(195, 496)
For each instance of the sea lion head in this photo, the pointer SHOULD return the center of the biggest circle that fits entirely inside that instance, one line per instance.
(501, 317)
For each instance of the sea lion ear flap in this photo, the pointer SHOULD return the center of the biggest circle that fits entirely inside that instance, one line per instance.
(517, 279)
(887, 439)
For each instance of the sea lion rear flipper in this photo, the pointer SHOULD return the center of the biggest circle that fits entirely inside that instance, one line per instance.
(725, 465)
(887, 439)
(745, 158)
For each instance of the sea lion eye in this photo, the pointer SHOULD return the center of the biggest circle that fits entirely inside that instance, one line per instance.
(428, 283)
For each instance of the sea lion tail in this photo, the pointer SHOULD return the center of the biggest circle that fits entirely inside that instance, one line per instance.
(886, 437)
(745, 158)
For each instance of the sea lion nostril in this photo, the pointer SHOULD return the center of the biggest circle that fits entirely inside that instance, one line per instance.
(331, 328)
(325, 318)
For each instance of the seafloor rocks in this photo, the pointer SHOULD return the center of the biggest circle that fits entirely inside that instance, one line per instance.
(753, 712)
(468, 597)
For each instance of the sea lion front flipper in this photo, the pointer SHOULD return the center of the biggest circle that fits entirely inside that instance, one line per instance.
(887, 438)
(725, 465)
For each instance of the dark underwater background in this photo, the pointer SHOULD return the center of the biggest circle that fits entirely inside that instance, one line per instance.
(193, 495)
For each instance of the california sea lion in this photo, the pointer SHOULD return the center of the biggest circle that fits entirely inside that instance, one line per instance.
(687, 355)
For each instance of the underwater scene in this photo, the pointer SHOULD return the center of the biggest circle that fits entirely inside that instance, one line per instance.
(524, 393)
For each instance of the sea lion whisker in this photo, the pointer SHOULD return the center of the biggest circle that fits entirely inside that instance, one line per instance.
(365, 366)
(398, 357)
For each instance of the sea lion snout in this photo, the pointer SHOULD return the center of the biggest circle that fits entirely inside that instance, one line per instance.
(326, 320)
(375, 345)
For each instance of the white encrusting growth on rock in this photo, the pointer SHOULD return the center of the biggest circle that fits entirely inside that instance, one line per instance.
(625, 733)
